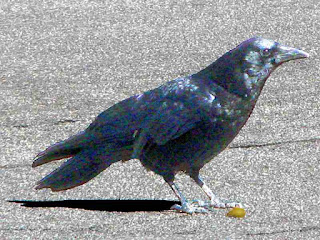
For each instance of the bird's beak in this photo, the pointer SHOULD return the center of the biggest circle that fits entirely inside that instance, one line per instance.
(286, 54)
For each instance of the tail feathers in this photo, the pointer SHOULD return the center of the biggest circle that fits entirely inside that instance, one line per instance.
(82, 167)
(60, 150)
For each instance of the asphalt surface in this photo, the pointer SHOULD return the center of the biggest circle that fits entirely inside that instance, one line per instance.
(63, 62)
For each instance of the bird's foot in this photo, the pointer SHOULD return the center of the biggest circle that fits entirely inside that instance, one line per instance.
(216, 204)
(197, 206)
(224, 204)
(200, 206)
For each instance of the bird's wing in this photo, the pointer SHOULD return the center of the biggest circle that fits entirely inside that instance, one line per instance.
(161, 114)
(117, 123)
(172, 119)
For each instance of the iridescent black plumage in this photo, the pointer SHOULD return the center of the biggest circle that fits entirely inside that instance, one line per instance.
(179, 126)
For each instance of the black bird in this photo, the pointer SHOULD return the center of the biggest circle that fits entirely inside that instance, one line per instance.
(179, 126)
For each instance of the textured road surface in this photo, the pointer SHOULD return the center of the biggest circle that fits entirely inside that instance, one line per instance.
(63, 62)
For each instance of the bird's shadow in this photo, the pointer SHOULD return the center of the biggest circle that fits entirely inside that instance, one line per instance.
(144, 205)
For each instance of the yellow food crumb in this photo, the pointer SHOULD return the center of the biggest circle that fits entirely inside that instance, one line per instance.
(236, 212)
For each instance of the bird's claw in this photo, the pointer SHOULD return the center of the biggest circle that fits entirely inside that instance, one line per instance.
(189, 208)
(220, 204)
(200, 206)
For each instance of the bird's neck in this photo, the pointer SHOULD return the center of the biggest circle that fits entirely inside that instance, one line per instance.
(239, 78)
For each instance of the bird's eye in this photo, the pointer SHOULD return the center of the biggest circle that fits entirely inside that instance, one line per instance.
(265, 52)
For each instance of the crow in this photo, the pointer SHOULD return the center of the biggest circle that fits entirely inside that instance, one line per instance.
(180, 126)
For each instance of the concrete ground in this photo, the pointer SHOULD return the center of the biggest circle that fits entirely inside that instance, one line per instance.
(63, 62)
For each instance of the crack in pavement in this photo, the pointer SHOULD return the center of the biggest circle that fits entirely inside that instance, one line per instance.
(8, 166)
(63, 121)
(275, 143)
(59, 122)
(231, 147)
(303, 229)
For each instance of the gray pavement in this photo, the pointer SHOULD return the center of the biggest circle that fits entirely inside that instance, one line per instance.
(63, 62)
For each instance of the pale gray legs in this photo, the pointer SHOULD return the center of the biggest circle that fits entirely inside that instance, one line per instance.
(214, 200)
(186, 206)
(199, 206)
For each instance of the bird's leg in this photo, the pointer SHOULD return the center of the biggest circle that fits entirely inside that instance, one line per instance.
(214, 200)
(185, 205)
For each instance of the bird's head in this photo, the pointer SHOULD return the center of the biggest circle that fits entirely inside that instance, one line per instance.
(261, 56)
(244, 70)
